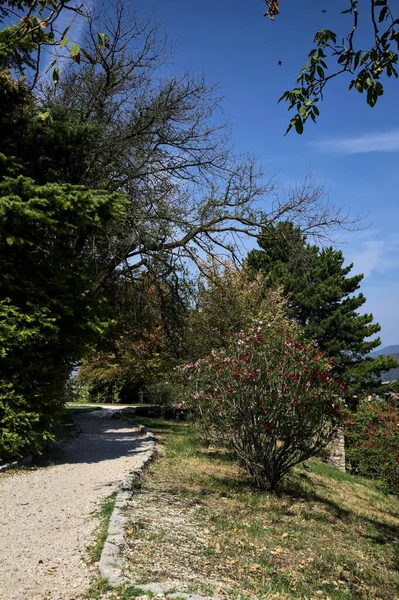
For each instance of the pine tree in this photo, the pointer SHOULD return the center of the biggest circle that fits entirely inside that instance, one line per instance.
(323, 299)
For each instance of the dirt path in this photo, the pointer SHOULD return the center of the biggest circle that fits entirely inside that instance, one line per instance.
(45, 514)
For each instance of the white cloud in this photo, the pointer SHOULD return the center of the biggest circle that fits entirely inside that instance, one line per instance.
(387, 141)
(373, 253)
(368, 259)
(382, 302)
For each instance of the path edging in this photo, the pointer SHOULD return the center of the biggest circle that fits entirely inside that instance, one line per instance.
(22, 462)
(111, 560)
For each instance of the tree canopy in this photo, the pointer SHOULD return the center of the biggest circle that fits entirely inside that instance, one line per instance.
(322, 299)
(109, 172)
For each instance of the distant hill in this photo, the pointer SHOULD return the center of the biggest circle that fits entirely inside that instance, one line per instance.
(387, 351)
(393, 374)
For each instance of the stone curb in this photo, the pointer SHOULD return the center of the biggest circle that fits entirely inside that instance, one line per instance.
(23, 462)
(160, 590)
(111, 560)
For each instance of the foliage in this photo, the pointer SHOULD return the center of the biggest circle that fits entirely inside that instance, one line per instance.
(322, 300)
(25, 420)
(373, 437)
(189, 194)
(76, 392)
(33, 27)
(366, 67)
(393, 374)
(228, 299)
(388, 387)
(165, 392)
(46, 241)
(269, 396)
(143, 340)
(111, 125)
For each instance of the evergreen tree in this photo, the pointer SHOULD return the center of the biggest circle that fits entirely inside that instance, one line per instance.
(322, 299)
(52, 239)
(47, 320)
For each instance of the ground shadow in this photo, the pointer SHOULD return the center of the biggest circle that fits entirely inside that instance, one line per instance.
(100, 438)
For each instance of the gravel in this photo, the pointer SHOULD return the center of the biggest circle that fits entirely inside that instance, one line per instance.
(46, 514)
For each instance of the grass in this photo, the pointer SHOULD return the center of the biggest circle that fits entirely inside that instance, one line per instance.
(103, 514)
(124, 592)
(325, 534)
(80, 408)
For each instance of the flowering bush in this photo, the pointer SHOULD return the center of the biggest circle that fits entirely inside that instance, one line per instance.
(373, 439)
(269, 396)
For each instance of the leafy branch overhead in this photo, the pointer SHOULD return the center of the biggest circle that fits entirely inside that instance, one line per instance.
(367, 66)
(35, 27)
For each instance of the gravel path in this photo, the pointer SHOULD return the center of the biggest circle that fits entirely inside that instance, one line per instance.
(45, 514)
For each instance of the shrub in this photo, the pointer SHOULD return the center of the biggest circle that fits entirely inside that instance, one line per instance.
(269, 396)
(30, 377)
(164, 393)
(76, 392)
(373, 441)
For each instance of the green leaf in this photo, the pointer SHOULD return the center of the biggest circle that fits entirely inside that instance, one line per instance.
(103, 40)
(298, 124)
(75, 50)
(285, 96)
(51, 65)
(66, 31)
(64, 42)
(365, 57)
(383, 14)
(303, 112)
(75, 53)
(373, 93)
(56, 75)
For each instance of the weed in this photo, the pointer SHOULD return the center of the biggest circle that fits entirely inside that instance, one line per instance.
(123, 592)
(103, 514)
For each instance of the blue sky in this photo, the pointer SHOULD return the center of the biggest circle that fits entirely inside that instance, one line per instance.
(353, 150)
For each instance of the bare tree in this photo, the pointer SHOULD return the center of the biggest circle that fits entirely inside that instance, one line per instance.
(157, 142)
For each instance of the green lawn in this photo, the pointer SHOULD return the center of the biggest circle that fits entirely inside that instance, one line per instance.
(326, 534)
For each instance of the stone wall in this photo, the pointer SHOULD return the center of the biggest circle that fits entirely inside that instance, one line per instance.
(336, 448)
